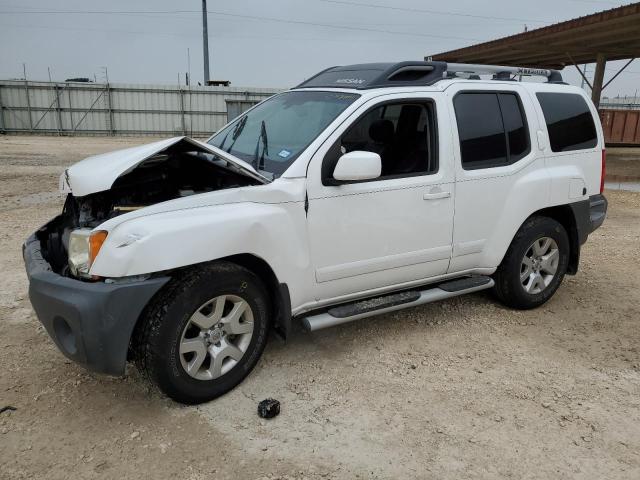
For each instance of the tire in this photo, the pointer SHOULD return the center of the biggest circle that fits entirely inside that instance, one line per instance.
(526, 284)
(190, 360)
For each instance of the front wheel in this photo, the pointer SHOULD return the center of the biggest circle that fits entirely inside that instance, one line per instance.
(535, 264)
(204, 332)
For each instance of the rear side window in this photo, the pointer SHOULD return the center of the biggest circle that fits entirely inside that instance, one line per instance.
(492, 128)
(569, 121)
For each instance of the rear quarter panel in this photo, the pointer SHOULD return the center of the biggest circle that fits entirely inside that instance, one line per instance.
(575, 175)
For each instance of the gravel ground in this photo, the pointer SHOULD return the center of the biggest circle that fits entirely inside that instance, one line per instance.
(455, 390)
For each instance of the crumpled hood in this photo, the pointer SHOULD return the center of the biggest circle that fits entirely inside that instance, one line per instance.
(98, 173)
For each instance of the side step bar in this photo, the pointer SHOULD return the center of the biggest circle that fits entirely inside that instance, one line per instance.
(395, 301)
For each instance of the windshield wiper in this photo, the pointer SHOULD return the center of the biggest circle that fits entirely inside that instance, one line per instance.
(237, 130)
(258, 162)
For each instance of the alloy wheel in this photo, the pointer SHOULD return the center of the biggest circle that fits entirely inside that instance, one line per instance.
(216, 337)
(539, 265)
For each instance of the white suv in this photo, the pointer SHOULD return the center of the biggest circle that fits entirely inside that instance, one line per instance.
(366, 189)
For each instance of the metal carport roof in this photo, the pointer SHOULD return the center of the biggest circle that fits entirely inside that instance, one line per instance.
(608, 35)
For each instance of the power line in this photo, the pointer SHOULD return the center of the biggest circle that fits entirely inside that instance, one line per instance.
(432, 12)
(599, 1)
(174, 13)
(248, 17)
(176, 34)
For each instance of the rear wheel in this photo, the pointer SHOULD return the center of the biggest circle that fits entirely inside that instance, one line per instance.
(204, 333)
(534, 265)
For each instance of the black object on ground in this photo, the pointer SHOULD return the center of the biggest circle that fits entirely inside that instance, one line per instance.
(268, 408)
(9, 408)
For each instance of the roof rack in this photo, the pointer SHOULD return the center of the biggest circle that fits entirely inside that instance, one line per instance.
(375, 75)
(553, 76)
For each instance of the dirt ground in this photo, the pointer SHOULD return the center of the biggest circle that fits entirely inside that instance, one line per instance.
(454, 390)
(623, 164)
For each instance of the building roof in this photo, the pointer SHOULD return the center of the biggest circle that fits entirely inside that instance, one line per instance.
(614, 33)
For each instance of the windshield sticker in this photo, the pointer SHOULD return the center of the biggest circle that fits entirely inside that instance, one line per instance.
(284, 153)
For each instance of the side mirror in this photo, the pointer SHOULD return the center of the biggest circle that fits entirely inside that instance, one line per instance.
(358, 165)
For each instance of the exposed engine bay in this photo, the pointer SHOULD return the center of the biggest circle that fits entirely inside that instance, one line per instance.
(173, 173)
(162, 177)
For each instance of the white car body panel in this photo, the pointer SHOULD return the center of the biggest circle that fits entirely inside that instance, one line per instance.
(569, 170)
(390, 231)
(330, 244)
(487, 204)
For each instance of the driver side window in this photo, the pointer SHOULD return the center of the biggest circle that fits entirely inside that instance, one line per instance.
(402, 133)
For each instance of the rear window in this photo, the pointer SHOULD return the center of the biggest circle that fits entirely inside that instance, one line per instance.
(569, 121)
(492, 128)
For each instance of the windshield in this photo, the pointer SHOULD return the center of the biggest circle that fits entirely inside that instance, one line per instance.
(272, 135)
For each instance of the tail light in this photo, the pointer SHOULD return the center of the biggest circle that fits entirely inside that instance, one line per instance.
(603, 171)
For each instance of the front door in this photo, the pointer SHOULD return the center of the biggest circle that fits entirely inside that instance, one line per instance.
(392, 230)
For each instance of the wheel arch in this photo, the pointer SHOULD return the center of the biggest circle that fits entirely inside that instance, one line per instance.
(278, 293)
(565, 216)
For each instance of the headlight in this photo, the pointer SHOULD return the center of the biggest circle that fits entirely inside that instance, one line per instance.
(84, 246)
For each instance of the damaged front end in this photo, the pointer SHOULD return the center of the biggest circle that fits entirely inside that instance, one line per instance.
(106, 186)
(91, 319)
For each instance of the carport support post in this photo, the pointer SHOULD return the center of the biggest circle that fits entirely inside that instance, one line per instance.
(598, 79)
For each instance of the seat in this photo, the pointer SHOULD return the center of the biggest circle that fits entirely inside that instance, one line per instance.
(410, 144)
(381, 134)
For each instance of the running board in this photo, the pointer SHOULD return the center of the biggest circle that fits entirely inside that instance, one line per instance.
(395, 301)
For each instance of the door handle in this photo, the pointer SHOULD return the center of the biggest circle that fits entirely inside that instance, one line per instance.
(436, 196)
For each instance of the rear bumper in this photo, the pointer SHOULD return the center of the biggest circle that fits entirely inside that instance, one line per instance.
(589, 215)
(91, 323)
(597, 211)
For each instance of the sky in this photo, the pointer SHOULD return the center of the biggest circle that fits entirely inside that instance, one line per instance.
(261, 43)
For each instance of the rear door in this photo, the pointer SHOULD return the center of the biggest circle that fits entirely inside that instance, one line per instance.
(500, 171)
(397, 228)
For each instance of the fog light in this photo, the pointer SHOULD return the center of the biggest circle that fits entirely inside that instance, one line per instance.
(65, 336)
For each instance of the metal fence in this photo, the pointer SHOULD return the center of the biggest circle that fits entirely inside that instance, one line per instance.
(621, 103)
(69, 108)
(621, 127)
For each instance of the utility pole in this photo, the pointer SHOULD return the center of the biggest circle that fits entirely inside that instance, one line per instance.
(205, 41)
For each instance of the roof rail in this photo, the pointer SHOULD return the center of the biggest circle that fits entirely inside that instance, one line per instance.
(412, 73)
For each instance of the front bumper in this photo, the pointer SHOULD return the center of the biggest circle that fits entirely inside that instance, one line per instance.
(91, 323)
